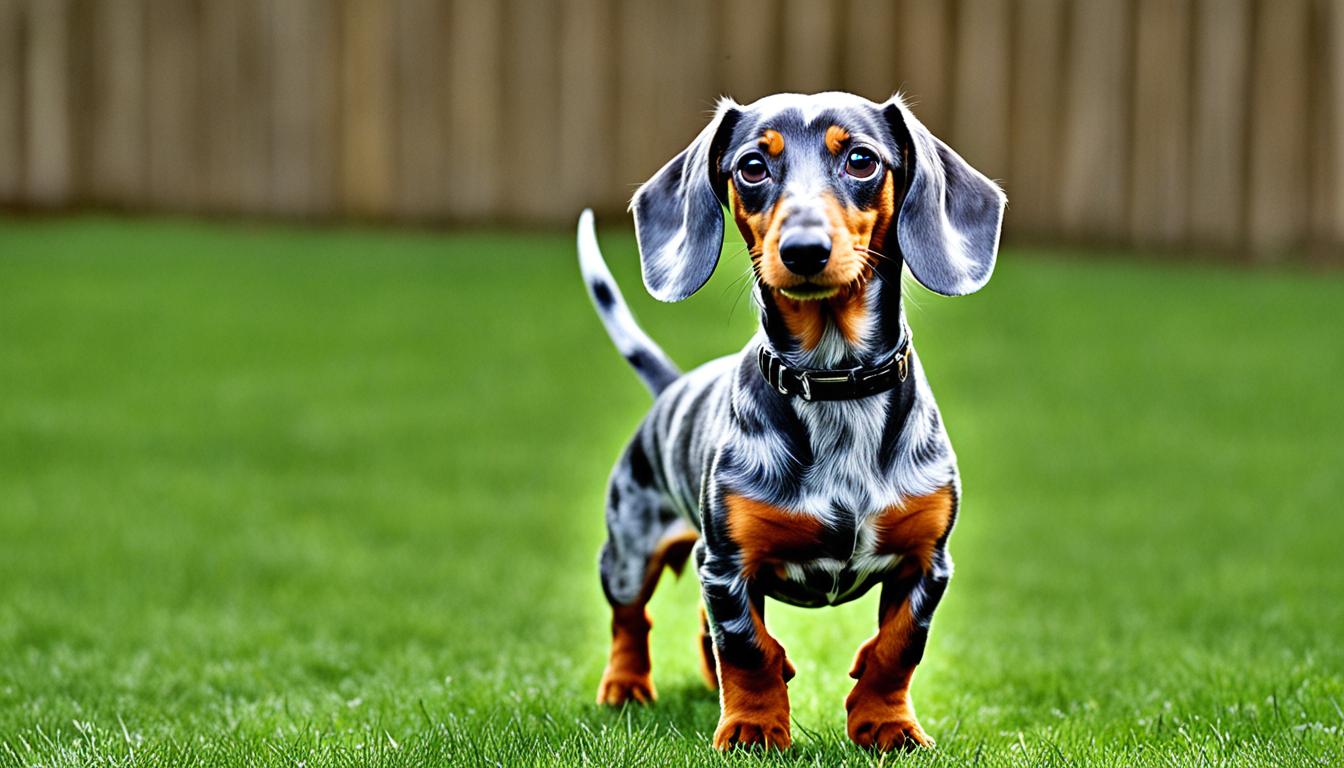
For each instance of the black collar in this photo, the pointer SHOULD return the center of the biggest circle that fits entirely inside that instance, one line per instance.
(835, 384)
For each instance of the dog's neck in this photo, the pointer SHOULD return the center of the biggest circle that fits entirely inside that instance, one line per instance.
(863, 326)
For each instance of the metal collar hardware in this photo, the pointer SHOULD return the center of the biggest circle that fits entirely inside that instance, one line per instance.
(835, 384)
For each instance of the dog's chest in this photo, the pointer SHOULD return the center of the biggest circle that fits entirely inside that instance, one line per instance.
(845, 566)
(848, 490)
(847, 474)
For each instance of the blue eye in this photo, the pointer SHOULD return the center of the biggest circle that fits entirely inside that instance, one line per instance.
(752, 168)
(862, 163)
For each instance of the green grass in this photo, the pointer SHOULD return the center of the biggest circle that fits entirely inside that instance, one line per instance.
(277, 496)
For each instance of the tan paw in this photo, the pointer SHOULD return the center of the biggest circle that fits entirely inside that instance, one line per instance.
(617, 688)
(770, 732)
(885, 734)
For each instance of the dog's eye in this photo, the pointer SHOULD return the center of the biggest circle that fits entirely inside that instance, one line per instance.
(752, 168)
(862, 163)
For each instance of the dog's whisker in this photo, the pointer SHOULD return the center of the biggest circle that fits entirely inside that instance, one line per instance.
(734, 284)
(746, 285)
(877, 254)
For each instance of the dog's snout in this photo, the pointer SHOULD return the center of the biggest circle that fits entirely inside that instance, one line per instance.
(805, 253)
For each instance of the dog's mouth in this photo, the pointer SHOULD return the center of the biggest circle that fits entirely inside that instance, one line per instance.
(809, 291)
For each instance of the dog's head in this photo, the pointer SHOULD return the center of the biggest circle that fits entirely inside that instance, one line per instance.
(825, 189)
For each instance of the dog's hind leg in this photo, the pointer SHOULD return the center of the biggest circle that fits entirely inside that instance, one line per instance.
(709, 668)
(644, 535)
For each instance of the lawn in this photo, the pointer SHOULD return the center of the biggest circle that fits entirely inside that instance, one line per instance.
(273, 495)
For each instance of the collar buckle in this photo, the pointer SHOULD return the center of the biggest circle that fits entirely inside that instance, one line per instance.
(840, 384)
(771, 368)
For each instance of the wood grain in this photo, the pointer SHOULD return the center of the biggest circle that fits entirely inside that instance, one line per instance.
(1161, 125)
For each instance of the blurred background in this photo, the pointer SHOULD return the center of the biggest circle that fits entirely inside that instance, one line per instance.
(305, 416)
(1208, 125)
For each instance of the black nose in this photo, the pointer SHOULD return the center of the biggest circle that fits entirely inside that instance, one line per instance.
(806, 253)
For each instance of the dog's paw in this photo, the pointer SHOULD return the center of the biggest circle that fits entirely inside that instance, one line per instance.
(884, 723)
(886, 735)
(617, 688)
(769, 732)
(881, 717)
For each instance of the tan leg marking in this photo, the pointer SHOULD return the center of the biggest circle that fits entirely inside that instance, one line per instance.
(628, 675)
(754, 703)
(880, 712)
(755, 700)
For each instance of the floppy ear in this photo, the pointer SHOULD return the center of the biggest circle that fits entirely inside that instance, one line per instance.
(949, 224)
(679, 214)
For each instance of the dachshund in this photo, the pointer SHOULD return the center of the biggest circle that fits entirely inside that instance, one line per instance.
(814, 465)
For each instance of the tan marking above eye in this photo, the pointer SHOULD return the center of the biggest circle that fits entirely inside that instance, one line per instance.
(773, 142)
(836, 138)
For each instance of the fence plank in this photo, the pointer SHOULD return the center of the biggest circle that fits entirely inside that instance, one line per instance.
(643, 143)
(748, 64)
(1328, 130)
(1279, 129)
(80, 67)
(1095, 174)
(222, 105)
(531, 107)
(982, 86)
(422, 161)
(666, 85)
(475, 116)
(304, 108)
(1161, 164)
(1033, 180)
(1219, 114)
(11, 100)
(691, 55)
(237, 121)
(1336, 49)
(809, 45)
(869, 49)
(367, 149)
(172, 117)
(587, 105)
(1210, 122)
(925, 56)
(49, 134)
(115, 103)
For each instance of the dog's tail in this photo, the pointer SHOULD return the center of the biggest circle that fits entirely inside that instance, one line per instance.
(653, 366)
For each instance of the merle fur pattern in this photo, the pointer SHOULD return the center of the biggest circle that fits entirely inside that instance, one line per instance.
(720, 429)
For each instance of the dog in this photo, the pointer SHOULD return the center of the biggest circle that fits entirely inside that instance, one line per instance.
(814, 465)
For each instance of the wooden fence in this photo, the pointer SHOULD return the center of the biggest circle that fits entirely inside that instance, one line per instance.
(1217, 124)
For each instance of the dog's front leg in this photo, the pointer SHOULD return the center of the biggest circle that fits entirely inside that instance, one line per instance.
(753, 670)
(880, 712)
